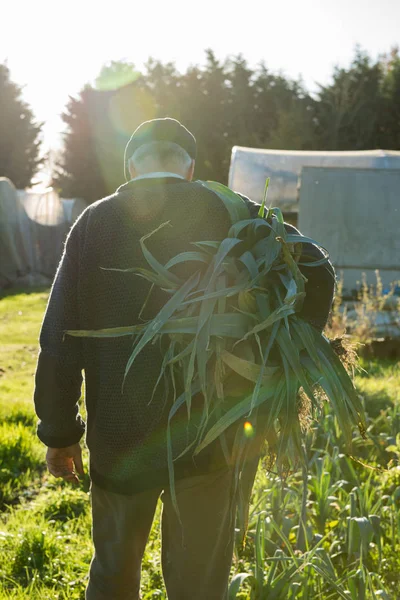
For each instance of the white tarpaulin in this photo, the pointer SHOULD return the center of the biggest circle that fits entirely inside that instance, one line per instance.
(33, 227)
(355, 214)
(251, 167)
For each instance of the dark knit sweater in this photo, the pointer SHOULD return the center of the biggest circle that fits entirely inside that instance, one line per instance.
(126, 430)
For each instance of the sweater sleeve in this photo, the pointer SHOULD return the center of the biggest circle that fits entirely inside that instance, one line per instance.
(320, 286)
(58, 379)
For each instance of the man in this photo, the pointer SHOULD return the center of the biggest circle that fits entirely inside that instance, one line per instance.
(126, 428)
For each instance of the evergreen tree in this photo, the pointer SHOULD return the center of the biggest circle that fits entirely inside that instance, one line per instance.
(19, 134)
(99, 124)
(389, 130)
(350, 109)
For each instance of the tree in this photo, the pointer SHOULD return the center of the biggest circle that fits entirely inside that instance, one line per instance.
(350, 109)
(99, 124)
(204, 108)
(79, 173)
(295, 129)
(199, 99)
(389, 131)
(19, 134)
(116, 74)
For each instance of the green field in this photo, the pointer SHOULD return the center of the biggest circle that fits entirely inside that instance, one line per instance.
(337, 539)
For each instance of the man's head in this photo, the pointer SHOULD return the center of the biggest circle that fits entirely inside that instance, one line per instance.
(160, 145)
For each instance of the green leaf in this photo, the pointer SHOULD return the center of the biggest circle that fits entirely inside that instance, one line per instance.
(340, 371)
(171, 473)
(238, 227)
(267, 251)
(200, 348)
(151, 276)
(325, 576)
(265, 356)
(247, 369)
(278, 226)
(188, 378)
(294, 238)
(182, 354)
(322, 378)
(263, 304)
(185, 257)
(315, 263)
(276, 315)
(234, 204)
(225, 247)
(235, 584)
(261, 212)
(153, 262)
(207, 246)
(231, 325)
(238, 411)
(292, 266)
(222, 293)
(165, 313)
(277, 213)
(260, 550)
(340, 379)
(288, 416)
(249, 262)
(216, 265)
(303, 334)
(109, 332)
(291, 353)
(166, 361)
(250, 224)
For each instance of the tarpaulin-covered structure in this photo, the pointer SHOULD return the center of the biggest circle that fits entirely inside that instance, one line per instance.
(33, 228)
(355, 213)
(250, 167)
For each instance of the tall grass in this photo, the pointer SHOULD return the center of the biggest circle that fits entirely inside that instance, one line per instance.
(373, 313)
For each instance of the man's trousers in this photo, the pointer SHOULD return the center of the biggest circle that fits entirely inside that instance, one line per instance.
(196, 550)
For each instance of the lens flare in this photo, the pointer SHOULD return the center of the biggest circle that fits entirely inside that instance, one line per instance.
(248, 429)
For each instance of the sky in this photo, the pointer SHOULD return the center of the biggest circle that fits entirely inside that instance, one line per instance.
(53, 48)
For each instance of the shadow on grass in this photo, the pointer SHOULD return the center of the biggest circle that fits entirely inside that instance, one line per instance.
(375, 402)
(16, 291)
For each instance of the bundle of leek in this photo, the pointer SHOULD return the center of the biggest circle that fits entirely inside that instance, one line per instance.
(238, 314)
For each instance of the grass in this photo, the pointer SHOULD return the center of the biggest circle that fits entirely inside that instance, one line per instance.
(21, 453)
(338, 540)
(45, 555)
(20, 318)
(379, 383)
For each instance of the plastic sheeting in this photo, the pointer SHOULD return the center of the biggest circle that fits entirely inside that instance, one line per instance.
(12, 251)
(251, 167)
(33, 227)
(355, 214)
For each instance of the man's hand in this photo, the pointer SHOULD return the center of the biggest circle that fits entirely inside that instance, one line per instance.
(65, 462)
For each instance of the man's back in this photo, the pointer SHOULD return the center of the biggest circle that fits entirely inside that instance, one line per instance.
(126, 429)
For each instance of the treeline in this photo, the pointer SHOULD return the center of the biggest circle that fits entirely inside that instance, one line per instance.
(224, 104)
